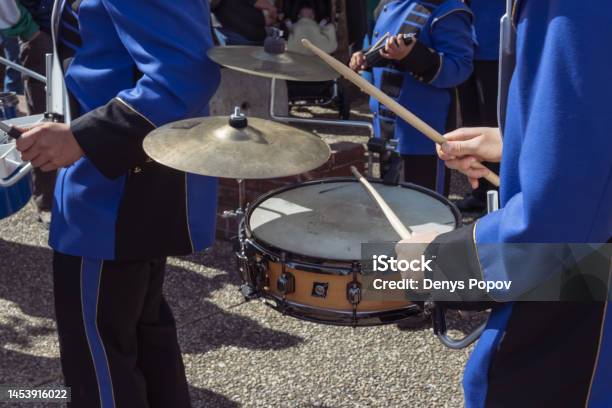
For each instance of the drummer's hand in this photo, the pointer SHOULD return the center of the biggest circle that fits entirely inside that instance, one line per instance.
(396, 48)
(358, 62)
(49, 146)
(413, 248)
(466, 146)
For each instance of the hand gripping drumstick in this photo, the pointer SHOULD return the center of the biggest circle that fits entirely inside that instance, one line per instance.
(403, 231)
(390, 103)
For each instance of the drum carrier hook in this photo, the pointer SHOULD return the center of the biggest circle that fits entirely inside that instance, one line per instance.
(438, 311)
(438, 319)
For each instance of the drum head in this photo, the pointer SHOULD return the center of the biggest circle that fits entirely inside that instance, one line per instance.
(330, 220)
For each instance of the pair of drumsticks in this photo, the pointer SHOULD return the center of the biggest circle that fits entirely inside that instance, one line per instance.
(401, 112)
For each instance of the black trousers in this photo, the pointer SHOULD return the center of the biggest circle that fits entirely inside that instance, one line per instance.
(478, 99)
(117, 335)
(425, 170)
(547, 356)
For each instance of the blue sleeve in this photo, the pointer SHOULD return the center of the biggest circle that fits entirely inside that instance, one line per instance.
(452, 39)
(168, 42)
(557, 165)
(556, 176)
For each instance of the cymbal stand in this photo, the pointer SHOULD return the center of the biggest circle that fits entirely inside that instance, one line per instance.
(242, 203)
(245, 269)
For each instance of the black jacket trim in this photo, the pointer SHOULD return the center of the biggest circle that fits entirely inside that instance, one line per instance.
(152, 189)
(423, 62)
(456, 259)
(111, 137)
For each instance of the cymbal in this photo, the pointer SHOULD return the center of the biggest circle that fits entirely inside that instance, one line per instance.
(288, 65)
(238, 148)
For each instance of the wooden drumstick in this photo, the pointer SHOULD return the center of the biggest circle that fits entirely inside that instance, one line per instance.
(403, 231)
(389, 102)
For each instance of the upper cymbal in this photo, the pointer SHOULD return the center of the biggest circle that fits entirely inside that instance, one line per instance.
(288, 65)
(210, 146)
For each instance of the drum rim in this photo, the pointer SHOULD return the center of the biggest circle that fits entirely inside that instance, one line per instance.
(339, 317)
(309, 261)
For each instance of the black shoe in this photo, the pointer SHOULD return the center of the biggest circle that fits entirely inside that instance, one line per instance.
(471, 204)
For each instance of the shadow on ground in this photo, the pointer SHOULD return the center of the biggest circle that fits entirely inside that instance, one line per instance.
(26, 287)
(201, 398)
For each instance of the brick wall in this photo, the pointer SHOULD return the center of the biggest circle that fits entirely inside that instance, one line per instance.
(344, 155)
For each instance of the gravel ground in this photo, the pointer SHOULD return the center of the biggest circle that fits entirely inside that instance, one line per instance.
(236, 354)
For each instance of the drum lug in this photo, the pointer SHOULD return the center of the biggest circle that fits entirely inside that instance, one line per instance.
(263, 280)
(353, 293)
(286, 283)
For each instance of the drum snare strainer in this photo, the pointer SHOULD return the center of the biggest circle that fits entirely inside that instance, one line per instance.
(303, 247)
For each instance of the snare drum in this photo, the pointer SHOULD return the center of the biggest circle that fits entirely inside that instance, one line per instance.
(302, 246)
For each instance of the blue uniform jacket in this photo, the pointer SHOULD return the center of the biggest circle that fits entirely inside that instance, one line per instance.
(556, 187)
(447, 33)
(137, 65)
(487, 14)
(557, 168)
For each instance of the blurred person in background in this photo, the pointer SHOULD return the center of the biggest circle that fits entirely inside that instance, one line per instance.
(421, 76)
(312, 27)
(371, 8)
(12, 77)
(356, 23)
(244, 22)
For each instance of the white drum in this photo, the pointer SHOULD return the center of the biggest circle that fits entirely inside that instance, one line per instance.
(304, 246)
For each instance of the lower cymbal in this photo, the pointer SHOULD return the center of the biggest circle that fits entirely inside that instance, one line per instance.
(240, 149)
(288, 65)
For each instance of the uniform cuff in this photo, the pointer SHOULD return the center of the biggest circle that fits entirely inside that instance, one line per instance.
(422, 62)
(111, 137)
(456, 259)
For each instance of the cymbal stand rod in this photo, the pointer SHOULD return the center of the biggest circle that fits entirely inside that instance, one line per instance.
(242, 198)
(240, 212)
(249, 282)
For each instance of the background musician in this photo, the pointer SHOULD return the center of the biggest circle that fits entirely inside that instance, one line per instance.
(422, 76)
(117, 214)
(244, 22)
